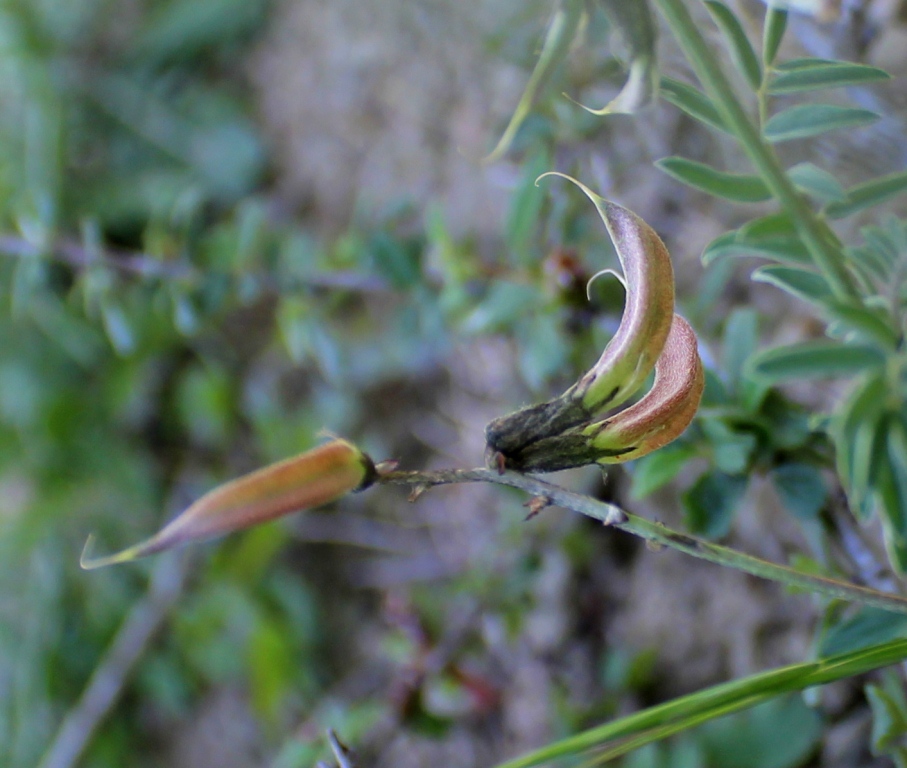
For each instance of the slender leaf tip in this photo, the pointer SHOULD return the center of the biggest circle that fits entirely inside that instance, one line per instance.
(89, 563)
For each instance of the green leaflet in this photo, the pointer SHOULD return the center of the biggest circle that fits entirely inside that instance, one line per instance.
(855, 428)
(738, 187)
(709, 505)
(873, 325)
(807, 120)
(692, 101)
(737, 42)
(868, 194)
(815, 360)
(805, 284)
(773, 33)
(817, 183)
(801, 75)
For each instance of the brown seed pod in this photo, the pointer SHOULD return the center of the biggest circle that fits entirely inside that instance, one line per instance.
(309, 480)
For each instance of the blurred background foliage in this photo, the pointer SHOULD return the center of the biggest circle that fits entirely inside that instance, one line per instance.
(226, 225)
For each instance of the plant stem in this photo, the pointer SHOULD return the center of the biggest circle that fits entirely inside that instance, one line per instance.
(610, 514)
(816, 235)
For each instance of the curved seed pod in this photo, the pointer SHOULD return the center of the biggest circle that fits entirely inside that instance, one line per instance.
(309, 480)
(649, 279)
(659, 417)
(664, 412)
(627, 359)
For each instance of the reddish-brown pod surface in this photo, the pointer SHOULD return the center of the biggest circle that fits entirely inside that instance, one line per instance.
(309, 480)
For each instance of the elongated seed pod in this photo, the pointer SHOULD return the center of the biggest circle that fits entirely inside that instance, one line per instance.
(659, 417)
(309, 480)
(664, 412)
(649, 280)
(627, 359)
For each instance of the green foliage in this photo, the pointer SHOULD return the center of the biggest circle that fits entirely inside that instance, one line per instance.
(657, 469)
(816, 360)
(558, 39)
(710, 504)
(797, 75)
(865, 328)
(801, 488)
(856, 291)
(889, 724)
(804, 121)
(866, 627)
(164, 330)
(781, 733)
(741, 188)
(737, 42)
(692, 101)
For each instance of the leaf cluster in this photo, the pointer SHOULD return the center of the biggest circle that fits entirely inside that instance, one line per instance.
(855, 290)
(864, 324)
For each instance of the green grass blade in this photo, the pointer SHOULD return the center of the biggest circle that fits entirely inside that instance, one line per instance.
(696, 708)
(665, 731)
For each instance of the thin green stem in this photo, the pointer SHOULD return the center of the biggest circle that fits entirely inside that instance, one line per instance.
(817, 237)
(654, 532)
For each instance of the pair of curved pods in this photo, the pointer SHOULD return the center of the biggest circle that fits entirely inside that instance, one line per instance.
(572, 429)
(568, 431)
